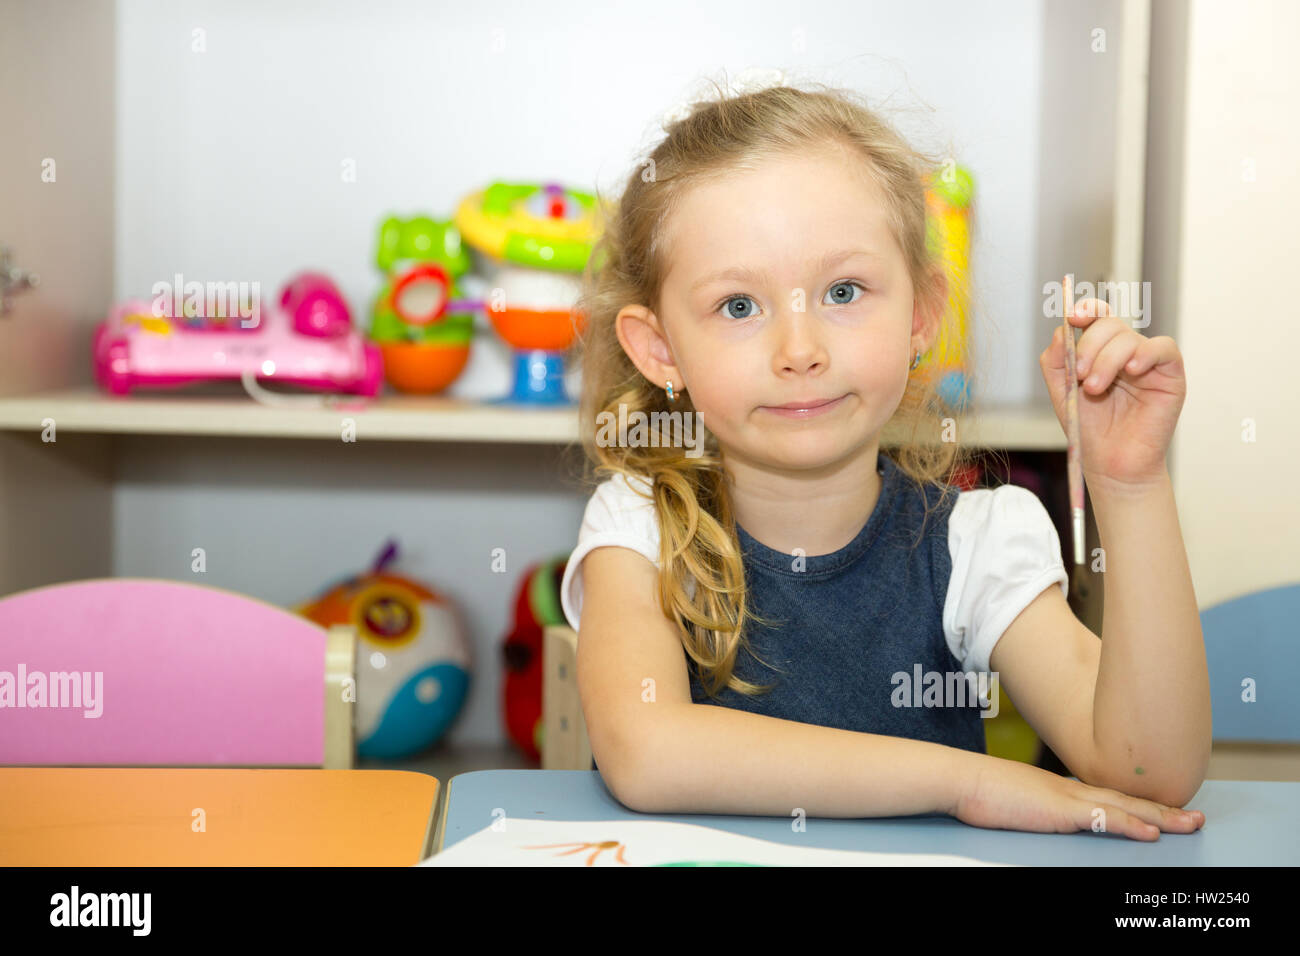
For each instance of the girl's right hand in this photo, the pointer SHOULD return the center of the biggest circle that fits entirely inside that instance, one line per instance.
(1011, 795)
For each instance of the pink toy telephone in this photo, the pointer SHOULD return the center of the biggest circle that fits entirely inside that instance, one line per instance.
(307, 339)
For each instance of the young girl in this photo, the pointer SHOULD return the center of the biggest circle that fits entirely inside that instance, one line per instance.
(776, 617)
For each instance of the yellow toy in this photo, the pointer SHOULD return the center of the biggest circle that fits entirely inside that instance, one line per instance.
(1009, 735)
(531, 241)
(948, 205)
(541, 226)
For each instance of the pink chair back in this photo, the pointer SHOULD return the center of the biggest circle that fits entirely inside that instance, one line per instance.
(140, 672)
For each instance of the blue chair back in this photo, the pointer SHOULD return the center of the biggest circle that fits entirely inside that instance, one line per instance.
(1255, 636)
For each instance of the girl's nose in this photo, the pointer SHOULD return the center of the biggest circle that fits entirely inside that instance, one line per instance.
(799, 347)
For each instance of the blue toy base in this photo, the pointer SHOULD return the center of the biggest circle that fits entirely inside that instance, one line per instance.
(539, 380)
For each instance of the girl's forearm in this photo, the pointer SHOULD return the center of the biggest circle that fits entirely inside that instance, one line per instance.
(1151, 706)
(702, 758)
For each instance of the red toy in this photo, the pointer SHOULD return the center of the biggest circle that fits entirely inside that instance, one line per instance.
(537, 605)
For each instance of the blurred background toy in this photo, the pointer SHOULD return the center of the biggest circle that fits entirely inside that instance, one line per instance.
(305, 339)
(413, 657)
(531, 242)
(537, 605)
(948, 207)
(418, 319)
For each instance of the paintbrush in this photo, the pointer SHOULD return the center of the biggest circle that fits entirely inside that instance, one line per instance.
(1074, 461)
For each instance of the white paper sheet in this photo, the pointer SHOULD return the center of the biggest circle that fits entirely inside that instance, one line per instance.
(521, 842)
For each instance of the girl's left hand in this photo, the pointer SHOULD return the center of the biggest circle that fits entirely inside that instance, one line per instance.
(1127, 416)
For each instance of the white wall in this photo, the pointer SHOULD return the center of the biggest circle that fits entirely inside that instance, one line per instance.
(1228, 244)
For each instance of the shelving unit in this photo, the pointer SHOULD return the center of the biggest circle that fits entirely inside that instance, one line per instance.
(282, 505)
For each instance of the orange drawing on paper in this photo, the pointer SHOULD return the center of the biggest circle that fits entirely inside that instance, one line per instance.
(596, 848)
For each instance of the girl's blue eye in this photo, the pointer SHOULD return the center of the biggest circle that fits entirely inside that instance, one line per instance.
(744, 314)
(839, 300)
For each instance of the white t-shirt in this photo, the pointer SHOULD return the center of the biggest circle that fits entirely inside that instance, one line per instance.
(1004, 548)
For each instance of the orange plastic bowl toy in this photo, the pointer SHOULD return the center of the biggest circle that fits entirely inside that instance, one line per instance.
(553, 329)
(422, 369)
(422, 327)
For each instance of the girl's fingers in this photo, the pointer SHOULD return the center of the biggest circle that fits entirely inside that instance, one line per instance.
(1088, 310)
(1094, 339)
(1115, 820)
(1150, 353)
(1170, 819)
(1107, 364)
(1137, 828)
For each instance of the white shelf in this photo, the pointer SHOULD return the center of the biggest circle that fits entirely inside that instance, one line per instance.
(407, 418)
(395, 418)
(1011, 427)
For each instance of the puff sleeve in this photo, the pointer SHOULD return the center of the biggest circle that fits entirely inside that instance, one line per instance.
(1005, 552)
(618, 514)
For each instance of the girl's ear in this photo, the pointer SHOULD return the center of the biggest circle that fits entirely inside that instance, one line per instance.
(640, 334)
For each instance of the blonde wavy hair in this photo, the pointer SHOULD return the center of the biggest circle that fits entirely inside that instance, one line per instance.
(698, 539)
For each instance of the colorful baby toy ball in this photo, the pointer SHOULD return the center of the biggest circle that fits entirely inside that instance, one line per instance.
(413, 658)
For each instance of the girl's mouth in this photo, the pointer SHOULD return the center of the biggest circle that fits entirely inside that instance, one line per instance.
(805, 409)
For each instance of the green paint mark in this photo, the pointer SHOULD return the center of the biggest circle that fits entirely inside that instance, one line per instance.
(1138, 770)
(709, 863)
